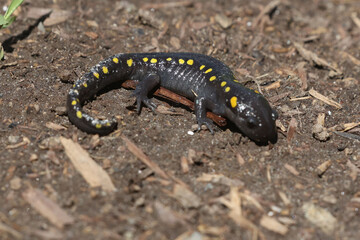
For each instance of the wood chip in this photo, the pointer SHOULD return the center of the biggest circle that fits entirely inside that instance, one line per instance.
(47, 208)
(314, 59)
(93, 173)
(291, 129)
(24, 142)
(167, 216)
(57, 16)
(54, 126)
(273, 225)
(92, 35)
(324, 99)
(175, 42)
(353, 59)
(184, 164)
(266, 10)
(300, 67)
(284, 198)
(291, 169)
(320, 217)
(321, 169)
(145, 159)
(51, 233)
(274, 85)
(167, 5)
(240, 159)
(349, 126)
(219, 178)
(11, 231)
(354, 170)
(15, 183)
(355, 19)
(36, 13)
(223, 21)
(185, 196)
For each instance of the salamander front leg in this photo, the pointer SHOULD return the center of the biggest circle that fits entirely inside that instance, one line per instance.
(145, 86)
(200, 112)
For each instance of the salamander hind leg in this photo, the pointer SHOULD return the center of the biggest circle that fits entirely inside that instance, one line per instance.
(200, 112)
(142, 90)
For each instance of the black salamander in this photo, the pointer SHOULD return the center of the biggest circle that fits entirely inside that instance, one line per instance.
(203, 79)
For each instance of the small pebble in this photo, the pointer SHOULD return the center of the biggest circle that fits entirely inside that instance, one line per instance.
(13, 139)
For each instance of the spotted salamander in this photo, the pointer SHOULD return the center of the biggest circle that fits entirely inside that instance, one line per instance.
(203, 79)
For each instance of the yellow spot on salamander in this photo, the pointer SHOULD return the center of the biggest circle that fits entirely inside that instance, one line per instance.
(190, 62)
(129, 62)
(153, 60)
(256, 91)
(223, 83)
(107, 124)
(79, 114)
(209, 70)
(145, 59)
(74, 102)
(202, 67)
(96, 75)
(236, 80)
(74, 85)
(169, 59)
(181, 61)
(115, 60)
(233, 101)
(98, 125)
(85, 84)
(105, 70)
(212, 78)
(227, 89)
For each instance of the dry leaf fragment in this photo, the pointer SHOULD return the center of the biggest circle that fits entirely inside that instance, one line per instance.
(273, 225)
(93, 174)
(47, 208)
(326, 100)
(320, 217)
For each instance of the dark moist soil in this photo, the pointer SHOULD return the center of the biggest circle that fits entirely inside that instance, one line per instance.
(279, 181)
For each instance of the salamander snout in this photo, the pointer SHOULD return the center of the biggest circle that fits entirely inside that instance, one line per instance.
(255, 119)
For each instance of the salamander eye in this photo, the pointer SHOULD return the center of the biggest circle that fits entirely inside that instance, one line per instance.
(274, 115)
(252, 122)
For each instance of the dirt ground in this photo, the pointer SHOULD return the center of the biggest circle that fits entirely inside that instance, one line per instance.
(162, 180)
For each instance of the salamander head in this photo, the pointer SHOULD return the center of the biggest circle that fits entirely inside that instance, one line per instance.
(254, 117)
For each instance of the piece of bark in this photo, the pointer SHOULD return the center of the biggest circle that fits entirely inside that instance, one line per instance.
(93, 173)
